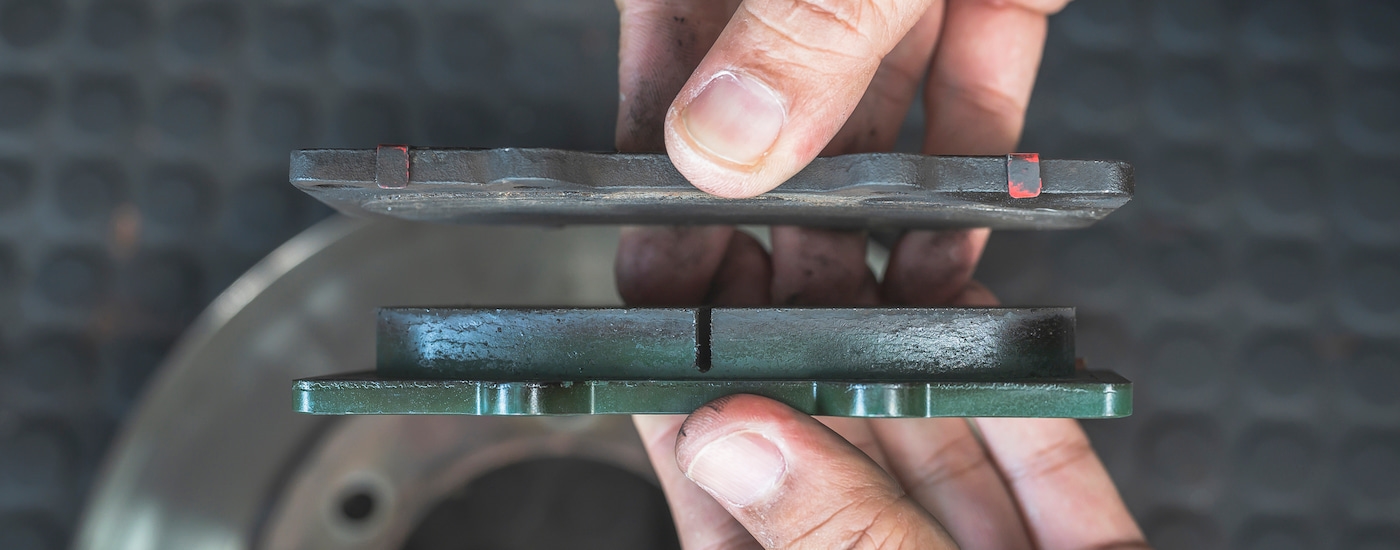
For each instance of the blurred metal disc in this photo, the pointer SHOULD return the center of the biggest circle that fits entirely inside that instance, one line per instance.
(215, 456)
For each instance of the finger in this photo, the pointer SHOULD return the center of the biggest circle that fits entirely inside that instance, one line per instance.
(700, 521)
(930, 268)
(744, 275)
(793, 483)
(980, 82)
(821, 267)
(857, 432)
(1065, 495)
(660, 43)
(777, 85)
(669, 266)
(874, 125)
(945, 469)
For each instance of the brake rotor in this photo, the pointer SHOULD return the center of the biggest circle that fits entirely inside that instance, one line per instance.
(215, 458)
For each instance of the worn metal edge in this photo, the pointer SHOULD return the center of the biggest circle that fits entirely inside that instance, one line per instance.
(1089, 394)
(556, 187)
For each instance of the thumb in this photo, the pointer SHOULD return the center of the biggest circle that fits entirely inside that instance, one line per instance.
(778, 84)
(793, 483)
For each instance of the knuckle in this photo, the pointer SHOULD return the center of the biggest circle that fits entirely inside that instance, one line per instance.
(959, 457)
(871, 522)
(845, 28)
(1051, 458)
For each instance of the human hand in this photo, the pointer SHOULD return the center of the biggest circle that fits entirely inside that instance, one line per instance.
(842, 74)
(842, 481)
(773, 476)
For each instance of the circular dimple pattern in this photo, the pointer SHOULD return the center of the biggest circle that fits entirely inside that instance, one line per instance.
(88, 190)
(1101, 23)
(1279, 29)
(1367, 466)
(1369, 35)
(165, 286)
(191, 112)
(1188, 177)
(1373, 281)
(381, 39)
(113, 25)
(1282, 272)
(1372, 537)
(1181, 451)
(282, 120)
(1282, 364)
(56, 363)
(461, 123)
(366, 120)
(1277, 534)
(469, 45)
(28, 531)
(1284, 184)
(1101, 98)
(1192, 26)
(22, 101)
(104, 105)
(1188, 266)
(177, 197)
(73, 278)
(1185, 358)
(29, 23)
(205, 29)
(263, 213)
(1091, 262)
(9, 270)
(1277, 460)
(1283, 108)
(1371, 190)
(16, 179)
(294, 36)
(132, 361)
(1182, 530)
(1370, 119)
(37, 461)
(1374, 374)
(556, 56)
(1187, 101)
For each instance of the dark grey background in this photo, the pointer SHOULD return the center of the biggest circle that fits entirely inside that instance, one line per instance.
(1252, 289)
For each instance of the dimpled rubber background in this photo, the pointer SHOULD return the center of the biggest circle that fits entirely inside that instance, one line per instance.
(1252, 290)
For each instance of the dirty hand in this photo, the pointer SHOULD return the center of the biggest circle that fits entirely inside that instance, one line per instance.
(744, 96)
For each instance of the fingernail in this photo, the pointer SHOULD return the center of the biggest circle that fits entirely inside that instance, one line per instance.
(735, 117)
(741, 468)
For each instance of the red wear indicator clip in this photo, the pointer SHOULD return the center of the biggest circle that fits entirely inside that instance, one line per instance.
(1023, 175)
(391, 166)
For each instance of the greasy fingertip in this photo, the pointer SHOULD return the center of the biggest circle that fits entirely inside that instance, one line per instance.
(744, 275)
(929, 268)
(793, 482)
(668, 266)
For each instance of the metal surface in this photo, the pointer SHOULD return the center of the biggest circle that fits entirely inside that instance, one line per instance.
(214, 457)
(553, 187)
(1086, 394)
(710, 344)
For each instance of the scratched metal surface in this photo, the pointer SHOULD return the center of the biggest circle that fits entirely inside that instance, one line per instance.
(1251, 290)
(868, 344)
(552, 187)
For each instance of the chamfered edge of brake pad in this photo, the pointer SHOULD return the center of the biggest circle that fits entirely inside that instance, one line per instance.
(555, 187)
(1085, 394)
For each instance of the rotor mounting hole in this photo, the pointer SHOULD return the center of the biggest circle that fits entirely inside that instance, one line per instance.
(357, 506)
